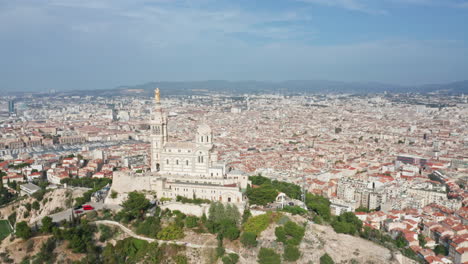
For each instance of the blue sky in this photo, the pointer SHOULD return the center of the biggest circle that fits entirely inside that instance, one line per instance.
(92, 44)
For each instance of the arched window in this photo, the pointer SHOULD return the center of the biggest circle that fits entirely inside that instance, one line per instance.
(167, 161)
(186, 162)
(207, 139)
(177, 162)
(201, 138)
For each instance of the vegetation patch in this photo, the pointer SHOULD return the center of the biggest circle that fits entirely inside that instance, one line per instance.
(192, 201)
(259, 223)
(5, 229)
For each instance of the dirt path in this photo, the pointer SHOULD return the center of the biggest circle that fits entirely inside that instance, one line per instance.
(181, 243)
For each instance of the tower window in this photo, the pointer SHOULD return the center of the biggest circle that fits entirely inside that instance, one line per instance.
(201, 138)
(177, 162)
(167, 161)
(186, 162)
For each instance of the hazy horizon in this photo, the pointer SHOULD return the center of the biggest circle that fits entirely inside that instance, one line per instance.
(103, 44)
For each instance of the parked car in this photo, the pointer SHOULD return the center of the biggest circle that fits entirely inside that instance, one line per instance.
(87, 207)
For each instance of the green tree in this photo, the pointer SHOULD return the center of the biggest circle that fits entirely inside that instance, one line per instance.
(326, 259)
(249, 239)
(23, 230)
(216, 212)
(232, 213)
(106, 233)
(291, 253)
(46, 253)
(263, 195)
(191, 221)
(204, 218)
(400, 242)
(347, 223)
(231, 258)
(319, 205)
(422, 240)
(180, 259)
(171, 232)
(232, 233)
(149, 227)
(135, 205)
(294, 233)
(268, 256)
(36, 205)
(246, 215)
(280, 234)
(1, 179)
(108, 254)
(441, 250)
(47, 224)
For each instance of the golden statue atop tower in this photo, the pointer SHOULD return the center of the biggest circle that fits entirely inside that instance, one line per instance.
(157, 95)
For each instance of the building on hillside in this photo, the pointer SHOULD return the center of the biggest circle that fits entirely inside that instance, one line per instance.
(188, 169)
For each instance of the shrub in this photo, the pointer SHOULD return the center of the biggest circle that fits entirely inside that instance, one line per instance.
(47, 224)
(193, 201)
(326, 259)
(249, 239)
(46, 255)
(280, 234)
(295, 210)
(106, 233)
(319, 205)
(36, 205)
(149, 227)
(347, 223)
(291, 253)
(259, 223)
(191, 221)
(268, 256)
(290, 234)
(231, 258)
(135, 205)
(232, 233)
(170, 232)
(318, 219)
(23, 230)
(180, 259)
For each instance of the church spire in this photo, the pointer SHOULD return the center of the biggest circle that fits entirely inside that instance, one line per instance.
(157, 96)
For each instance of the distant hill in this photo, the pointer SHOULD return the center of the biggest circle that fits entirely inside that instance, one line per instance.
(296, 87)
(290, 87)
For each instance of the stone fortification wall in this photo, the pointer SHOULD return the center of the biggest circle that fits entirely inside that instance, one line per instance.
(125, 182)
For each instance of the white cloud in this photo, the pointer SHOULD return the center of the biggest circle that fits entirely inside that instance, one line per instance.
(354, 5)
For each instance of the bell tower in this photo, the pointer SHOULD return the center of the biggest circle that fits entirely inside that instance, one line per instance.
(158, 127)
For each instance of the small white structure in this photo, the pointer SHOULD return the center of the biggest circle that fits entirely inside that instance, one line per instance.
(29, 188)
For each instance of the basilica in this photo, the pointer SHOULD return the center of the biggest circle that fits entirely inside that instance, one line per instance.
(188, 169)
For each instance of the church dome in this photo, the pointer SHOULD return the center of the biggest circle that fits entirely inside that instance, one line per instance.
(204, 129)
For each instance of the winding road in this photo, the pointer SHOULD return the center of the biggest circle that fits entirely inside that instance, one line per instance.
(181, 243)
